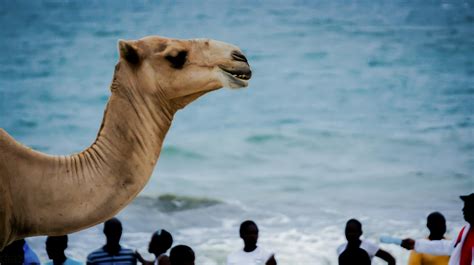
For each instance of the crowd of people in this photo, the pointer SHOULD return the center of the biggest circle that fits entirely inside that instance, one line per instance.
(434, 250)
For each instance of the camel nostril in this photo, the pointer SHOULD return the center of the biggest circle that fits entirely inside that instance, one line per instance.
(238, 56)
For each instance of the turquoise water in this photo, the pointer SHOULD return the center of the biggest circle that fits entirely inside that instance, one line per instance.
(355, 109)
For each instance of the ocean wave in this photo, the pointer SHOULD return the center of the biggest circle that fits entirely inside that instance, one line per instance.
(462, 91)
(174, 151)
(264, 138)
(175, 203)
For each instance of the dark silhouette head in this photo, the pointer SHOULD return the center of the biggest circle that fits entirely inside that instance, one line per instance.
(436, 223)
(182, 255)
(113, 231)
(249, 234)
(352, 256)
(55, 246)
(468, 209)
(353, 231)
(13, 253)
(160, 242)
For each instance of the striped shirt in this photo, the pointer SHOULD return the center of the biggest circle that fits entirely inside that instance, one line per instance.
(100, 256)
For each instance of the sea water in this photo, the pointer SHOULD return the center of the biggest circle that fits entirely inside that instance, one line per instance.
(356, 109)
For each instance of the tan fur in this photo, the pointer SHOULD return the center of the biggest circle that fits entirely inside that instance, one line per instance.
(55, 195)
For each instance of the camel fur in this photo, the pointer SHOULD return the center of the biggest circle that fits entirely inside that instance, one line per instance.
(42, 194)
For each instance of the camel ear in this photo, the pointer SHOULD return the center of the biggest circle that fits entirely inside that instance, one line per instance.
(129, 51)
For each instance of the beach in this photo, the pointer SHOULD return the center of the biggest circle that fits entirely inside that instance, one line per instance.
(354, 110)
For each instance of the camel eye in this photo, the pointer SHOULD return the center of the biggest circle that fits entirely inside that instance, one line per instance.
(178, 60)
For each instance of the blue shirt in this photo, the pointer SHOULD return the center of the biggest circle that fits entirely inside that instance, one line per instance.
(30, 256)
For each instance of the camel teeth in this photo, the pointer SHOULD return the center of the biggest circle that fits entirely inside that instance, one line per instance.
(240, 76)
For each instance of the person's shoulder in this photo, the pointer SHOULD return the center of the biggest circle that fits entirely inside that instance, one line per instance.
(341, 248)
(235, 256)
(127, 254)
(163, 257)
(264, 251)
(370, 247)
(126, 251)
(369, 243)
(235, 253)
(100, 252)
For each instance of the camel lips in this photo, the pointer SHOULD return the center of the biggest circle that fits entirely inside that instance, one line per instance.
(243, 76)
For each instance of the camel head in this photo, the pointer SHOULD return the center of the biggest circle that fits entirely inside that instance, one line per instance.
(183, 70)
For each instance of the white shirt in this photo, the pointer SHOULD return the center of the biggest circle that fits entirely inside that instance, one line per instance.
(259, 256)
(444, 247)
(368, 246)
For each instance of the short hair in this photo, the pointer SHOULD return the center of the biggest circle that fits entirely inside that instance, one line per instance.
(354, 222)
(435, 217)
(57, 241)
(112, 225)
(166, 239)
(246, 224)
(181, 254)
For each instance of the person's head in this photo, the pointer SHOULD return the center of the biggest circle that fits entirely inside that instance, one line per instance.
(436, 224)
(113, 231)
(468, 209)
(249, 233)
(55, 246)
(160, 242)
(182, 255)
(353, 230)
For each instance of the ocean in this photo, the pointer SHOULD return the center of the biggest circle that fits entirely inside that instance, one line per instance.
(356, 109)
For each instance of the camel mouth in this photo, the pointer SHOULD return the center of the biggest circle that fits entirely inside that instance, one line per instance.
(242, 74)
(237, 78)
(239, 74)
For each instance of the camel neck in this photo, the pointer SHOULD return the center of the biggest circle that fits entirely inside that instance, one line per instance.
(132, 131)
(110, 173)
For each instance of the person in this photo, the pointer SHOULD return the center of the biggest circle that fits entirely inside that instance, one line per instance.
(251, 254)
(18, 252)
(160, 242)
(436, 224)
(352, 252)
(112, 252)
(460, 249)
(55, 247)
(13, 253)
(182, 255)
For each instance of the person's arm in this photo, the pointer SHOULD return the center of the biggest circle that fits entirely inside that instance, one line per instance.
(434, 247)
(141, 259)
(385, 256)
(271, 261)
(415, 258)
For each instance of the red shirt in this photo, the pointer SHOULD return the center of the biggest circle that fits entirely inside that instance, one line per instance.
(467, 248)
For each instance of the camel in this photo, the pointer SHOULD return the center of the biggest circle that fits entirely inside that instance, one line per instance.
(155, 77)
